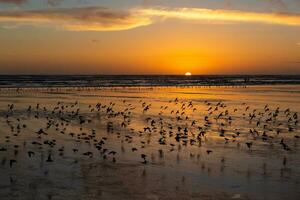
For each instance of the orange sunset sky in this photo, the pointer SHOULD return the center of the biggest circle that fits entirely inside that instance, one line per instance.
(149, 37)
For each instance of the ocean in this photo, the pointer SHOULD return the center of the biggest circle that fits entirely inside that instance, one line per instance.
(29, 81)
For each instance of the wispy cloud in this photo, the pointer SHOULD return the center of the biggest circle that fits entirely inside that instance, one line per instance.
(78, 19)
(103, 19)
(197, 14)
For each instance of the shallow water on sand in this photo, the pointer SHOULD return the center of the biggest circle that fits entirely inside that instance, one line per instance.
(180, 164)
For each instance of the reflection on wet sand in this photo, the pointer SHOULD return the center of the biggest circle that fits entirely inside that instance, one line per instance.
(152, 143)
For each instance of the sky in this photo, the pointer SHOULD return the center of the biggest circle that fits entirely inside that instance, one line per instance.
(149, 36)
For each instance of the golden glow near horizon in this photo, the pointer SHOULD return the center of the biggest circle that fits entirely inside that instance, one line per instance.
(148, 40)
(188, 74)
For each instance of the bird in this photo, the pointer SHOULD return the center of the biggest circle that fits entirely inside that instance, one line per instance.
(11, 162)
(49, 159)
(143, 156)
(208, 151)
(133, 149)
(249, 145)
(30, 153)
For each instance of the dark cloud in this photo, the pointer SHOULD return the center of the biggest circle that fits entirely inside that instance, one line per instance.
(54, 2)
(13, 1)
(49, 2)
(294, 62)
(78, 19)
(94, 40)
(228, 4)
(279, 4)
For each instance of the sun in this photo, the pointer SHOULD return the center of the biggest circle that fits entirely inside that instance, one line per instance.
(188, 74)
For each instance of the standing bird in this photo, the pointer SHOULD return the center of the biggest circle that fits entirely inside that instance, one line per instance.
(143, 156)
(249, 145)
(11, 162)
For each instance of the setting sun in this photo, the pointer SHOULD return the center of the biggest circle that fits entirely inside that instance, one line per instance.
(188, 73)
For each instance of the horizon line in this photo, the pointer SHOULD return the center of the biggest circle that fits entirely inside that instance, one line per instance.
(67, 74)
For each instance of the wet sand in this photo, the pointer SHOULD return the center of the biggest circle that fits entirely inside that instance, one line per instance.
(198, 143)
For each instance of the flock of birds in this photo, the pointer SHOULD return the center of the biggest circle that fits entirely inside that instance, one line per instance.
(174, 125)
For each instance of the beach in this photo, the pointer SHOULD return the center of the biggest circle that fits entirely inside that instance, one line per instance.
(218, 142)
(154, 100)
